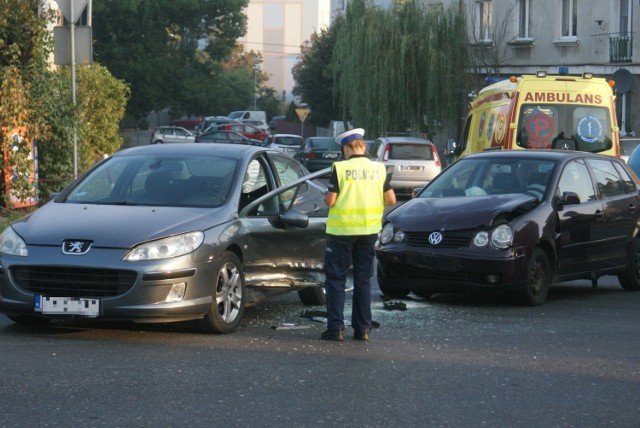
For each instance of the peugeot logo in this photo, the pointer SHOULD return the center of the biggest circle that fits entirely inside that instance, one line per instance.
(75, 247)
(435, 238)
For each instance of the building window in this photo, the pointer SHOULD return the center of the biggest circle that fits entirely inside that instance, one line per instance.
(524, 19)
(483, 20)
(570, 18)
(625, 17)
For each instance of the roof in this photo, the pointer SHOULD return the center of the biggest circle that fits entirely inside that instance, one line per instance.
(220, 149)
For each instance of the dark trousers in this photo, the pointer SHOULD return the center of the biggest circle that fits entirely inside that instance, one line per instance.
(341, 251)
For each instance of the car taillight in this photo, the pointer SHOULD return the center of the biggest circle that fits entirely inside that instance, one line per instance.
(435, 155)
(311, 155)
(385, 156)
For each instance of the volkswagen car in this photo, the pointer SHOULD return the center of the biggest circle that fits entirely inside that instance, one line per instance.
(516, 221)
(165, 233)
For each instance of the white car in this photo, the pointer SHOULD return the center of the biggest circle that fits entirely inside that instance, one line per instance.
(171, 134)
(288, 143)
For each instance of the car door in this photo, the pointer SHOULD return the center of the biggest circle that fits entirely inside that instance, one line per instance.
(285, 233)
(620, 201)
(580, 225)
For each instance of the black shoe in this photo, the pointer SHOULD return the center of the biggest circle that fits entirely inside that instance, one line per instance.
(335, 335)
(361, 335)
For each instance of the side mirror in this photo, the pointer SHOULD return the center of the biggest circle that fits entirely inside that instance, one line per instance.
(290, 218)
(567, 198)
(451, 146)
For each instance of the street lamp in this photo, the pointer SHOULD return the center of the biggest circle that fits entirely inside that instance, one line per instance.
(255, 86)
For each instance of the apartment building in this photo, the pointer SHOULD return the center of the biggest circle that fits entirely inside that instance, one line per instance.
(277, 29)
(514, 37)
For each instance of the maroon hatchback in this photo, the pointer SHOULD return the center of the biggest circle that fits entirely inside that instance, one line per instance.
(516, 221)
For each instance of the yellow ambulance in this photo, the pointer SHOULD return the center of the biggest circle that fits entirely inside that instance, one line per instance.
(542, 112)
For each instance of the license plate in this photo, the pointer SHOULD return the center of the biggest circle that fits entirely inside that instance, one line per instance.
(67, 306)
(331, 156)
(411, 168)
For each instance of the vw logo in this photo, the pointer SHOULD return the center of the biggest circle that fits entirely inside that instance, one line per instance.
(435, 238)
(75, 247)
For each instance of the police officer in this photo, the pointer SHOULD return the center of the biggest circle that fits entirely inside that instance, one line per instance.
(357, 193)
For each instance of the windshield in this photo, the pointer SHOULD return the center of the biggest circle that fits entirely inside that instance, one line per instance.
(184, 181)
(492, 176)
(289, 141)
(324, 144)
(564, 126)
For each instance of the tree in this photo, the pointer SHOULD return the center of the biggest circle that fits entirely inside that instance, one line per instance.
(155, 47)
(401, 69)
(313, 76)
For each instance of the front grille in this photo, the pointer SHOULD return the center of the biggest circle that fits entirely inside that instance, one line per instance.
(73, 282)
(450, 239)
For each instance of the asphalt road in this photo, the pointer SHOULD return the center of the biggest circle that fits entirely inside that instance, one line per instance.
(457, 361)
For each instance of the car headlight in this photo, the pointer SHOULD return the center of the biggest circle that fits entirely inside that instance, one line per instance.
(386, 234)
(481, 239)
(502, 236)
(11, 243)
(166, 248)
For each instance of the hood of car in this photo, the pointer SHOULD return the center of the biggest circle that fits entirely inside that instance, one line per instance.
(455, 213)
(114, 226)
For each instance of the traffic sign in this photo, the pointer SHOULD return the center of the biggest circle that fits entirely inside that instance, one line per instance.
(302, 113)
(78, 7)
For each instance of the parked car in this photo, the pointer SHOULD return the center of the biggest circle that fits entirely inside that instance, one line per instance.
(319, 152)
(288, 143)
(169, 233)
(230, 137)
(171, 134)
(627, 145)
(258, 123)
(189, 122)
(248, 131)
(274, 120)
(413, 161)
(515, 221)
(213, 123)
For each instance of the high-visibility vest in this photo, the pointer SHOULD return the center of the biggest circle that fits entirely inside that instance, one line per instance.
(359, 205)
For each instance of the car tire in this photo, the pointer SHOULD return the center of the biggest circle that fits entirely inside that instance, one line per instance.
(630, 278)
(536, 288)
(228, 293)
(386, 287)
(313, 296)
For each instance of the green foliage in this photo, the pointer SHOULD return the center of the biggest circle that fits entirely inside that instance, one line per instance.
(154, 47)
(24, 46)
(400, 69)
(101, 101)
(313, 75)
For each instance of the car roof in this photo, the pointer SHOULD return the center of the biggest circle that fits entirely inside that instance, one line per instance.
(401, 139)
(286, 135)
(538, 154)
(235, 151)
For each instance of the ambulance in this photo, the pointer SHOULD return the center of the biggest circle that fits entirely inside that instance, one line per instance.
(542, 112)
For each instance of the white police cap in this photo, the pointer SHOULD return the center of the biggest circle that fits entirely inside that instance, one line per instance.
(351, 135)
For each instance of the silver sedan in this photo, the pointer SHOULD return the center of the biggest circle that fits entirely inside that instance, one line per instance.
(169, 233)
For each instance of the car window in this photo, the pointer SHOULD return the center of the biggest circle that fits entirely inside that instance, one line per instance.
(607, 177)
(288, 171)
(157, 181)
(627, 182)
(575, 178)
(410, 151)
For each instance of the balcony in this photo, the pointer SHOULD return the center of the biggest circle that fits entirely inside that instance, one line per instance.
(620, 47)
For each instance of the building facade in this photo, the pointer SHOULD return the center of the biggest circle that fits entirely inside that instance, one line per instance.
(277, 29)
(515, 37)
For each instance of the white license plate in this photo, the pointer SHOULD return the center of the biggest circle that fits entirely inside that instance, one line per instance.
(331, 156)
(67, 306)
(411, 168)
